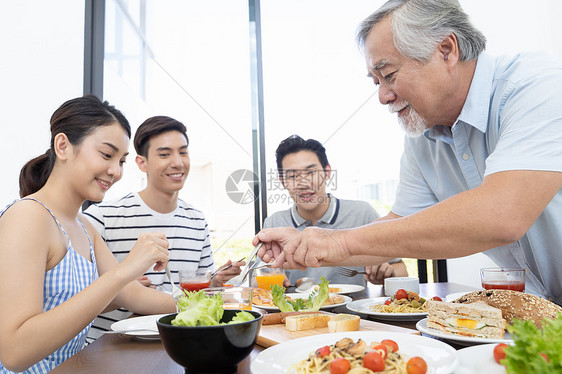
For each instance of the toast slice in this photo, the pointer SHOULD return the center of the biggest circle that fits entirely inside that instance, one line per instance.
(306, 321)
(344, 322)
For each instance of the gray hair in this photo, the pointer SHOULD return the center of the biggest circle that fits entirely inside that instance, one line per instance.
(419, 25)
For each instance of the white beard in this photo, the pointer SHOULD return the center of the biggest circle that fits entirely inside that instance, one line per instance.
(412, 123)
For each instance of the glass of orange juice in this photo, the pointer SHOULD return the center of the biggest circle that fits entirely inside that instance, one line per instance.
(233, 297)
(266, 277)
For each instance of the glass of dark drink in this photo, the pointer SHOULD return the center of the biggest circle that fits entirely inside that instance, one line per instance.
(195, 280)
(503, 279)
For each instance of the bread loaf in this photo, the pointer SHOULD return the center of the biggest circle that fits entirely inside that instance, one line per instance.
(515, 305)
(344, 322)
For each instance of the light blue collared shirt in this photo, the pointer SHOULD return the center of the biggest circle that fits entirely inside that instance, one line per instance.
(511, 120)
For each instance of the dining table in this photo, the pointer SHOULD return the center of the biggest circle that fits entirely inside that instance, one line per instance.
(120, 353)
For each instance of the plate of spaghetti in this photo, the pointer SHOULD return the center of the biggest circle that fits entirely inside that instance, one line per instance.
(397, 310)
(315, 354)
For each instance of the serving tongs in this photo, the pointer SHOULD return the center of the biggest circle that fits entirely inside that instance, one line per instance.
(241, 278)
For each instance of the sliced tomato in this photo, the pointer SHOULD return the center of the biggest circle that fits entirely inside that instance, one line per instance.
(373, 361)
(340, 366)
(388, 301)
(401, 294)
(321, 352)
(391, 344)
(436, 298)
(416, 365)
(381, 347)
(499, 352)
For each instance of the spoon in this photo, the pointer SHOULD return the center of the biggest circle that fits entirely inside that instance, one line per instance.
(303, 284)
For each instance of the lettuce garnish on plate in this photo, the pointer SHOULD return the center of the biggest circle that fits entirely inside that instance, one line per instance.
(315, 300)
(198, 309)
(535, 350)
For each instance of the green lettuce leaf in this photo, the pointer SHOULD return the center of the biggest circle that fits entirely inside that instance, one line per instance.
(279, 298)
(526, 355)
(317, 298)
(198, 309)
(241, 317)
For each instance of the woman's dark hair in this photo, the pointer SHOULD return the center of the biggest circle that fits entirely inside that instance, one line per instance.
(295, 143)
(76, 118)
(154, 126)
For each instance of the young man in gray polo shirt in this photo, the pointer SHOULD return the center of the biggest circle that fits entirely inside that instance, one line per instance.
(304, 170)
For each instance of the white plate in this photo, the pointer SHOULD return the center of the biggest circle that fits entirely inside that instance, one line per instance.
(462, 340)
(441, 358)
(478, 359)
(346, 299)
(453, 296)
(345, 289)
(363, 306)
(144, 322)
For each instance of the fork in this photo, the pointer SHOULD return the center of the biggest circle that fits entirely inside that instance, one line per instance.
(176, 291)
(347, 272)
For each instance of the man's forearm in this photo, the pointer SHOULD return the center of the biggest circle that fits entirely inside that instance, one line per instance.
(486, 217)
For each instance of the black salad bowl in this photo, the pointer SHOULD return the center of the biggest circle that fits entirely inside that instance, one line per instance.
(210, 349)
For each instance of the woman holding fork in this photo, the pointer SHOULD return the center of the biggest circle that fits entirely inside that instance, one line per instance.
(56, 273)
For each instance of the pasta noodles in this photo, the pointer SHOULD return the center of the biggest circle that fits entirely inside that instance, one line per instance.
(400, 306)
(354, 353)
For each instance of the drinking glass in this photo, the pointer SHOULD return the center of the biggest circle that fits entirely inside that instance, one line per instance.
(265, 277)
(195, 280)
(233, 297)
(503, 279)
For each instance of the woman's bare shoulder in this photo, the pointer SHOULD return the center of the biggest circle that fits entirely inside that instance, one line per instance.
(27, 215)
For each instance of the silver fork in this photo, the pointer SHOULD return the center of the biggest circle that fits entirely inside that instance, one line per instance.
(176, 291)
(347, 272)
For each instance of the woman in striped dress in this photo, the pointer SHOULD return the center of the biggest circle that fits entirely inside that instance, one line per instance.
(56, 273)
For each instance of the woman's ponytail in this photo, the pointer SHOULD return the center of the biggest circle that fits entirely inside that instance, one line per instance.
(35, 173)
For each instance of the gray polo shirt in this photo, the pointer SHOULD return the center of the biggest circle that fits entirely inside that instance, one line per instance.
(341, 214)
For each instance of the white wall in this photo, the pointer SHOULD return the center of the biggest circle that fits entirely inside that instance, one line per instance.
(40, 67)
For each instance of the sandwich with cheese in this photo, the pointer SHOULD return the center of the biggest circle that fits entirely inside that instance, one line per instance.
(477, 320)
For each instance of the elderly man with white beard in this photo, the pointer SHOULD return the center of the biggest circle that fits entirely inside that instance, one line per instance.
(482, 162)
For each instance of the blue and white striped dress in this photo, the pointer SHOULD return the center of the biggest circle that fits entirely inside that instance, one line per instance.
(70, 276)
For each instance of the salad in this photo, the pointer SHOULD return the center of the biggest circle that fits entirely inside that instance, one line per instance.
(199, 309)
(315, 300)
(534, 350)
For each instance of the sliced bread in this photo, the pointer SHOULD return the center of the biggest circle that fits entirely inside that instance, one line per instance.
(344, 322)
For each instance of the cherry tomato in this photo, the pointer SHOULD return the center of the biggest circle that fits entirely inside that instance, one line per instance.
(436, 298)
(545, 356)
(416, 365)
(381, 347)
(388, 301)
(339, 366)
(499, 352)
(391, 344)
(401, 294)
(373, 361)
(323, 351)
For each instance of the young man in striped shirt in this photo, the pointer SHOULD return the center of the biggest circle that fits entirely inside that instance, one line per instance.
(161, 144)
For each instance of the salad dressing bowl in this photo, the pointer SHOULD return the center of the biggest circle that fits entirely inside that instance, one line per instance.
(210, 349)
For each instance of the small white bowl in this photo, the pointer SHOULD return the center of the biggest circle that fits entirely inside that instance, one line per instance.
(393, 284)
